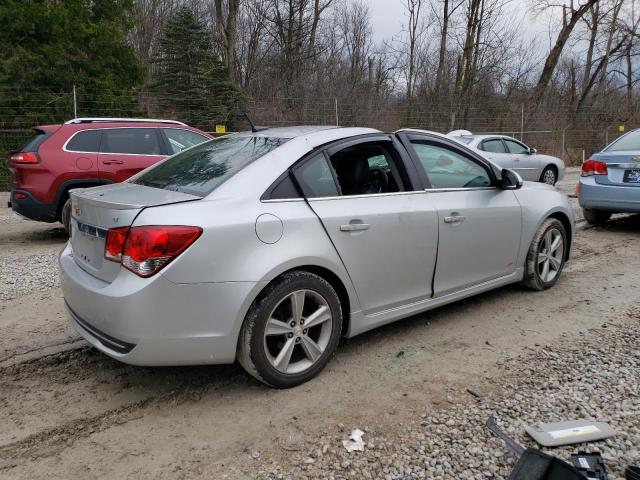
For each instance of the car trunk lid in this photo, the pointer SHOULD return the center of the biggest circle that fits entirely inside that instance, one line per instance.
(95, 210)
(623, 168)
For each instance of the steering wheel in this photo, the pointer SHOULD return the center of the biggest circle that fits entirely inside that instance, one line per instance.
(378, 179)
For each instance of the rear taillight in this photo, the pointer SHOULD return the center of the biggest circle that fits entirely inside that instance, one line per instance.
(24, 157)
(147, 250)
(593, 167)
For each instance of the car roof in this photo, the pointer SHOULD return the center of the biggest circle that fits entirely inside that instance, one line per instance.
(314, 134)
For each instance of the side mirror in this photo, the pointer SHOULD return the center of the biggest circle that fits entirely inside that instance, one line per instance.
(509, 180)
(532, 151)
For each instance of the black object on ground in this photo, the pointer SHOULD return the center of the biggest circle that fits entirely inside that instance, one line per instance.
(590, 464)
(632, 473)
(534, 464)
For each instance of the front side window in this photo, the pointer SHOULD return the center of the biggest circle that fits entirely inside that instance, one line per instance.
(199, 170)
(515, 147)
(630, 141)
(494, 145)
(448, 168)
(85, 141)
(367, 168)
(133, 141)
(180, 140)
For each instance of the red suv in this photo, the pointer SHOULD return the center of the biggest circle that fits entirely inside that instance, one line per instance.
(86, 152)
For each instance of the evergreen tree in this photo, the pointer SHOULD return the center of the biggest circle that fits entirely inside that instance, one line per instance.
(189, 81)
(46, 47)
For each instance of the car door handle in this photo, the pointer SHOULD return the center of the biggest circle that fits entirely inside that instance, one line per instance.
(354, 227)
(455, 219)
(112, 162)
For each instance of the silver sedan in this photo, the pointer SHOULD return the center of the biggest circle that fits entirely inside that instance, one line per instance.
(515, 155)
(268, 247)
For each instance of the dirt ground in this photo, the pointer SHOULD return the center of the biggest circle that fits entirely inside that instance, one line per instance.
(68, 411)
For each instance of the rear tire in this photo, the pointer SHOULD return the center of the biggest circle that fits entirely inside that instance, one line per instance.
(546, 256)
(549, 175)
(291, 331)
(596, 217)
(65, 216)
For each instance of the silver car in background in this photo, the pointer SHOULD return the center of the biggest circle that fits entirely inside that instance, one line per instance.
(510, 153)
(267, 247)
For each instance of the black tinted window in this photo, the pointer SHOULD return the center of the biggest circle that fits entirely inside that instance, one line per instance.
(515, 147)
(140, 141)
(201, 169)
(87, 141)
(493, 146)
(34, 141)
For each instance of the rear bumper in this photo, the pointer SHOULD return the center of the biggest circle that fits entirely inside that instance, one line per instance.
(31, 208)
(610, 198)
(153, 321)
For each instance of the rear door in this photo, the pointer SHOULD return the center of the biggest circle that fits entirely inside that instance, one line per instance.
(385, 233)
(479, 224)
(127, 150)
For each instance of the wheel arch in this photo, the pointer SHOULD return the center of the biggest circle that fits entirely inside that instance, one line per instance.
(63, 191)
(566, 223)
(328, 275)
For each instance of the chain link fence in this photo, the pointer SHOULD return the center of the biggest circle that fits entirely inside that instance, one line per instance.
(552, 129)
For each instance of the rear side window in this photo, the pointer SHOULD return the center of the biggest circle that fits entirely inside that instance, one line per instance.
(316, 178)
(86, 141)
(199, 170)
(136, 141)
(34, 141)
(493, 146)
(180, 140)
(630, 141)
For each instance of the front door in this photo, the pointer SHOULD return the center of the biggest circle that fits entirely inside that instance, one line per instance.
(385, 234)
(524, 162)
(479, 224)
(126, 151)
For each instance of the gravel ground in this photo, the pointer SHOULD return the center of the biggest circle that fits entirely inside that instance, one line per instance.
(594, 376)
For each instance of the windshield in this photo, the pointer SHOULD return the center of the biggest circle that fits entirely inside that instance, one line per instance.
(630, 141)
(199, 170)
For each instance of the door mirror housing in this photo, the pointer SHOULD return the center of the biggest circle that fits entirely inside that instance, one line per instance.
(532, 151)
(509, 180)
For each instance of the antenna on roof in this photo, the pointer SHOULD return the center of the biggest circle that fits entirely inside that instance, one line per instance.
(254, 129)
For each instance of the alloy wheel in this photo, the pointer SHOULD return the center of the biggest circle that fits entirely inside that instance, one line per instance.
(550, 255)
(549, 177)
(298, 331)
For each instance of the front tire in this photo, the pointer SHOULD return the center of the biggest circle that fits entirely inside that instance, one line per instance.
(65, 216)
(549, 175)
(291, 331)
(546, 256)
(596, 217)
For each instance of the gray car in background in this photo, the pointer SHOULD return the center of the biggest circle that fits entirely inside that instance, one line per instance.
(513, 154)
(267, 247)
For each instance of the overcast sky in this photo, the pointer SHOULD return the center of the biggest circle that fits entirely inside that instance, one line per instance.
(388, 16)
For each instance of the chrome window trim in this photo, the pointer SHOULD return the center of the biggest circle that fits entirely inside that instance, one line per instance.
(367, 195)
(64, 147)
(459, 189)
(634, 166)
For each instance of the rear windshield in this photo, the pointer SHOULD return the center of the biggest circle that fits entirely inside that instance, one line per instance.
(34, 141)
(630, 141)
(199, 170)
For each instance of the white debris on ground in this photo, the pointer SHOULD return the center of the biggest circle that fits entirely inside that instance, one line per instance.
(354, 443)
(591, 375)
